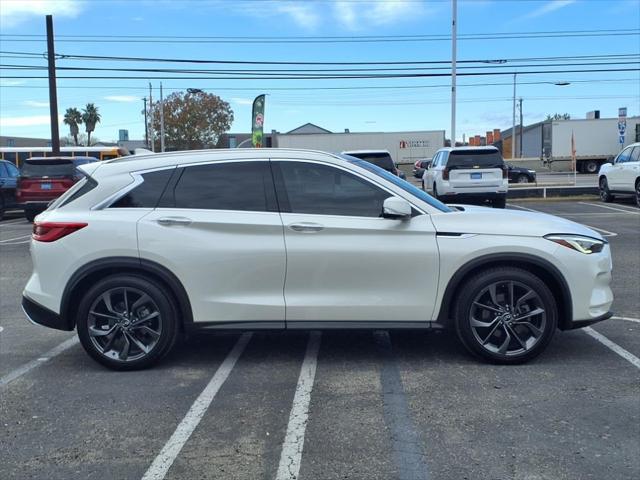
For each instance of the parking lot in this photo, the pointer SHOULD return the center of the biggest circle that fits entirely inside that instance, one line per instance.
(340, 405)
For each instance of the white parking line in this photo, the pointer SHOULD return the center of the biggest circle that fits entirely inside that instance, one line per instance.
(171, 449)
(628, 212)
(628, 319)
(291, 454)
(524, 208)
(15, 221)
(27, 367)
(15, 238)
(628, 356)
(14, 243)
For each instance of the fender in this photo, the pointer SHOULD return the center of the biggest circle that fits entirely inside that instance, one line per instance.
(126, 263)
(512, 259)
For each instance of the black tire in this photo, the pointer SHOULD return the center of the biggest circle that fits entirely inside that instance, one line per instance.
(435, 191)
(479, 340)
(1, 208)
(638, 192)
(522, 178)
(590, 166)
(499, 202)
(164, 323)
(422, 183)
(603, 188)
(30, 215)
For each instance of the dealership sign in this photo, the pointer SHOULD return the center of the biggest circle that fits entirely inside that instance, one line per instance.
(415, 144)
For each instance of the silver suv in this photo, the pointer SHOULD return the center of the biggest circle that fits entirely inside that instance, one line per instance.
(463, 174)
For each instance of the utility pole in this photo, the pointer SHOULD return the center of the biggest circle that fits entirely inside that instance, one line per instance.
(151, 119)
(513, 120)
(53, 95)
(146, 124)
(521, 128)
(161, 120)
(454, 32)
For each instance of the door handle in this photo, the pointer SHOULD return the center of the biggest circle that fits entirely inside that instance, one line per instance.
(169, 221)
(306, 227)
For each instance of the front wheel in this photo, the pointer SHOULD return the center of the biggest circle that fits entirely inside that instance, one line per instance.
(505, 315)
(30, 215)
(523, 179)
(638, 192)
(126, 322)
(605, 194)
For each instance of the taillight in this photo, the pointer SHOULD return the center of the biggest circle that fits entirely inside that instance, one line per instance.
(505, 172)
(445, 173)
(52, 231)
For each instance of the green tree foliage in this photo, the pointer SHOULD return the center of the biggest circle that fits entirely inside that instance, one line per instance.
(192, 121)
(559, 116)
(73, 118)
(90, 117)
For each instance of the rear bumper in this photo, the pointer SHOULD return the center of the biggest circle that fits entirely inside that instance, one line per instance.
(471, 196)
(40, 315)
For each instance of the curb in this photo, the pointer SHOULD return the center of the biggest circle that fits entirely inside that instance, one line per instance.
(544, 192)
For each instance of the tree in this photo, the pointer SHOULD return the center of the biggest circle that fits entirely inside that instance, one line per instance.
(192, 121)
(73, 118)
(90, 117)
(559, 116)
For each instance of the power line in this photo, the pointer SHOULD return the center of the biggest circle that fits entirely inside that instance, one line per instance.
(168, 39)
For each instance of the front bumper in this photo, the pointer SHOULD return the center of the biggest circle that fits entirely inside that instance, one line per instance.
(40, 315)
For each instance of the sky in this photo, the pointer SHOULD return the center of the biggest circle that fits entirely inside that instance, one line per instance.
(113, 28)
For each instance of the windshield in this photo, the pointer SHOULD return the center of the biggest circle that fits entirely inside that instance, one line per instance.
(398, 182)
(48, 168)
(475, 159)
(381, 159)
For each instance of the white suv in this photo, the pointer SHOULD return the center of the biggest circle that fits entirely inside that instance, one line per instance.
(622, 176)
(468, 173)
(148, 247)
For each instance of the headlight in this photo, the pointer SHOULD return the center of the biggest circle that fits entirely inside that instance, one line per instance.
(586, 245)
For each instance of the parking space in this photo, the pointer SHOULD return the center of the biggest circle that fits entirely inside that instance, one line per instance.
(330, 405)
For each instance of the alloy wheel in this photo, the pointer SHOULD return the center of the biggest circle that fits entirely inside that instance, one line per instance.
(124, 324)
(508, 318)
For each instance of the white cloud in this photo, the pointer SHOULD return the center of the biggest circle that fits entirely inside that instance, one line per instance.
(15, 12)
(122, 98)
(304, 15)
(242, 101)
(36, 104)
(550, 6)
(360, 16)
(11, 83)
(26, 121)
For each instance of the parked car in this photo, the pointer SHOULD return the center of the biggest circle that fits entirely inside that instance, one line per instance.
(142, 249)
(43, 179)
(468, 174)
(622, 177)
(520, 174)
(8, 179)
(419, 167)
(381, 158)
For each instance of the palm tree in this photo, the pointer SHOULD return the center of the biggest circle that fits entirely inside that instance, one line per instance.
(73, 118)
(90, 117)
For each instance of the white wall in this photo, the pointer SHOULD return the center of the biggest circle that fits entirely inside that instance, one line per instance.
(417, 145)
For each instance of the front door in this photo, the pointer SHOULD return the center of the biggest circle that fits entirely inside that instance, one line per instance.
(345, 263)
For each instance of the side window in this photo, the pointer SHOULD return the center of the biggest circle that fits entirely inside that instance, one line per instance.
(14, 172)
(244, 186)
(624, 155)
(635, 155)
(3, 170)
(325, 190)
(148, 193)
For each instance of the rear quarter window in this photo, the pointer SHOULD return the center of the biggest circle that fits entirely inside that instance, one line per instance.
(148, 193)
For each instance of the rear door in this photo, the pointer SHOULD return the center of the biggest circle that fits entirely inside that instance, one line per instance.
(345, 263)
(475, 169)
(218, 230)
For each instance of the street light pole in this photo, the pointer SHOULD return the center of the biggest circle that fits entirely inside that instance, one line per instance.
(513, 120)
(454, 30)
(161, 120)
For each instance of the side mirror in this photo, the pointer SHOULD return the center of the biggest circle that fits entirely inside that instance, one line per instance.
(396, 208)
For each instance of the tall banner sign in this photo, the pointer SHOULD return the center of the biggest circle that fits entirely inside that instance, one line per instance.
(257, 119)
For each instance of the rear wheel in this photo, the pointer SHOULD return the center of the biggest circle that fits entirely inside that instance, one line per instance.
(505, 315)
(126, 322)
(435, 191)
(605, 194)
(499, 202)
(638, 192)
(590, 166)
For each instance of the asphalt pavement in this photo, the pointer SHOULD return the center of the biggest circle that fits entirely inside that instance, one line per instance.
(330, 405)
